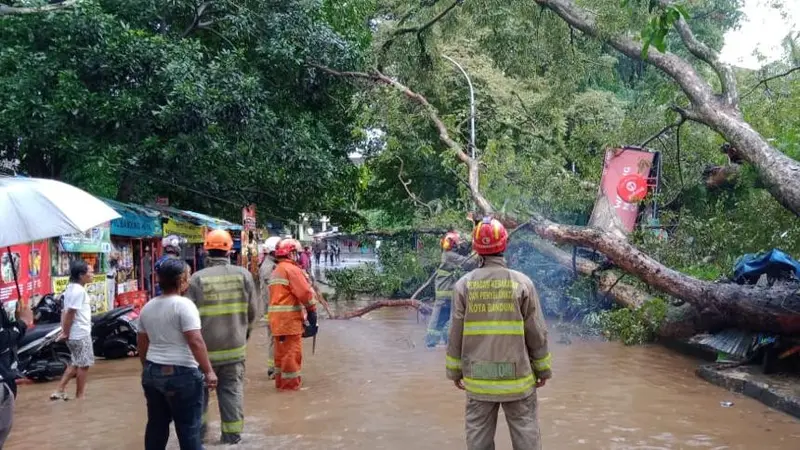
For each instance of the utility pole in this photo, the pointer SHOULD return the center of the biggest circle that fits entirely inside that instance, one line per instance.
(471, 106)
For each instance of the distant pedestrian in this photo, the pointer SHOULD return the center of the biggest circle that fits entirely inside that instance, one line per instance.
(317, 251)
(325, 253)
(76, 329)
(147, 272)
(305, 259)
(171, 347)
(338, 253)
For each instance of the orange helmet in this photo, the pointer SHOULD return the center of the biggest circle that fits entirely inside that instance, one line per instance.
(490, 237)
(287, 246)
(450, 241)
(218, 240)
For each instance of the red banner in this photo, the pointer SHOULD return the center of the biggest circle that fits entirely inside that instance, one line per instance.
(137, 299)
(620, 167)
(32, 263)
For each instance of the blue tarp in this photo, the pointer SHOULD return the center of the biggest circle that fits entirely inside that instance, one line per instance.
(775, 263)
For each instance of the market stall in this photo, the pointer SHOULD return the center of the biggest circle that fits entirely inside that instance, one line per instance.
(93, 247)
(133, 237)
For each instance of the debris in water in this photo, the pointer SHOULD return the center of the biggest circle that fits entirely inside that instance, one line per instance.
(726, 404)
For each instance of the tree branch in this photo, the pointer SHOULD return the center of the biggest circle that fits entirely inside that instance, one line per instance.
(417, 30)
(198, 14)
(730, 92)
(6, 10)
(444, 134)
(768, 79)
(408, 191)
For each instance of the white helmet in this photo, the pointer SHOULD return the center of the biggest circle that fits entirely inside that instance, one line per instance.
(271, 244)
(173, 241)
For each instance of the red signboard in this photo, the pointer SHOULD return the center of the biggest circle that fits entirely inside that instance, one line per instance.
(249, 217)
(625, 171)
(32, 262)
(162, 201)
(137, 299)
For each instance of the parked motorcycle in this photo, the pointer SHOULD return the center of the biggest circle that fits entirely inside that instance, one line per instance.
(48, 310)
(41, 358)
(114, 333)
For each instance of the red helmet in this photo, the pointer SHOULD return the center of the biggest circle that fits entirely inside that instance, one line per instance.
(287, 246)
(450, 241)
(490, 237)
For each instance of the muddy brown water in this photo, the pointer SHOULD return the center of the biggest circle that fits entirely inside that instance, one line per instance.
(373, 385)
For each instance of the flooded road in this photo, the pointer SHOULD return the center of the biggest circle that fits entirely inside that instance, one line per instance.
(372, 385)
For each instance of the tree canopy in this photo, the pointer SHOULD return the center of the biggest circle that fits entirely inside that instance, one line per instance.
(208, 103)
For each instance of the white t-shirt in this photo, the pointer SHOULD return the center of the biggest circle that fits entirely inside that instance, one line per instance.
(164, 319)
(75, 297)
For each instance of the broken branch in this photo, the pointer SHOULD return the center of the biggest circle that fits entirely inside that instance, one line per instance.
(768, 79)
(6, 10)
(408, 191)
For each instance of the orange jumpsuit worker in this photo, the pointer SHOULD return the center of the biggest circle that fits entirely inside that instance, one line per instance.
(289, 294)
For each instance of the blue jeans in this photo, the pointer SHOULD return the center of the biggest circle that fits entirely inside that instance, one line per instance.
(439, 322)
(173, 393)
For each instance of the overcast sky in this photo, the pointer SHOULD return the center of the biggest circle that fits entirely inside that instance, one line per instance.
(762, 29)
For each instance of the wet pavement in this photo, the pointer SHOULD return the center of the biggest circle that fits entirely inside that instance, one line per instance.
(372, 385)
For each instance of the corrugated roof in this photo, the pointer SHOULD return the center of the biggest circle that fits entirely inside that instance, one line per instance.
(196, 217)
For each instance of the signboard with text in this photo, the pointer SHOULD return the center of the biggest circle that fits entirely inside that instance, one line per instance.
(194, 234)
(96, 290)
(32, 263)
(621, 167)
(96, 240)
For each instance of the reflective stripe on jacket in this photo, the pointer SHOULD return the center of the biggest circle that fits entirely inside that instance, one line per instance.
(227, 300)
(265, 273)
(289, 294)
(451, 268)
(498, 337)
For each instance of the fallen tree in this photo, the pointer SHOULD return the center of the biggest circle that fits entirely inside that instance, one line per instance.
(712, 305)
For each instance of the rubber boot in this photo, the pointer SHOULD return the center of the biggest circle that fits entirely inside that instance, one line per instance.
(231, 438)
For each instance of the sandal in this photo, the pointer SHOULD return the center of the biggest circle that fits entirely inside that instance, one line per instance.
(59, 396)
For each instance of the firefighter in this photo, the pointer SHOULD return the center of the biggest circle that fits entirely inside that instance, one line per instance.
(290, 293)
(228, 303)
(265, 273)
(446, 276)
(498, 345)
(171, 246)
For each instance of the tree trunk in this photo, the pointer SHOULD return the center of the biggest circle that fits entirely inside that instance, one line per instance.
(719, 111)
(410, 303)
(775, 309)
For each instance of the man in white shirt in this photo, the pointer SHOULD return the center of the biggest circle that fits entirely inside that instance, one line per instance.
(76, 329)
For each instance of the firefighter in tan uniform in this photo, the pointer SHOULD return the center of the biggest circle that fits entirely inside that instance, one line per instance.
(447, 274)
(265, 274)
(498, 345)
(227, 300)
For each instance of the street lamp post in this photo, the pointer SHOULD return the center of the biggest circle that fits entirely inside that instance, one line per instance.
(471, 105)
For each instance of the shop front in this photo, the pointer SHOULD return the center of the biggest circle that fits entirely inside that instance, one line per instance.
(192, 252)
(134, 236)
(93, 247)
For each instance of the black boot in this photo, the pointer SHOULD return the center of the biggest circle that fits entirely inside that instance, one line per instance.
(231, 438)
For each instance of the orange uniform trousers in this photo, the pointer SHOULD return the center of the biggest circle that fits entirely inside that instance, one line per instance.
(288, 362)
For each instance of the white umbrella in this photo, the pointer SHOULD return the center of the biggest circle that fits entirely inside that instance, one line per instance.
(33, 209)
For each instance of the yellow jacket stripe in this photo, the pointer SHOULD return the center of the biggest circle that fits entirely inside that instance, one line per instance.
(494, 327)
(443, 273)
(223, 309)
(284, 308)
(281, 281)
(542, 364)
(499, 387)
(447, 294)
(227, 355)
(452, 363)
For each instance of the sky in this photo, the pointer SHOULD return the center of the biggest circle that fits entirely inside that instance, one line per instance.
(762, 30)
